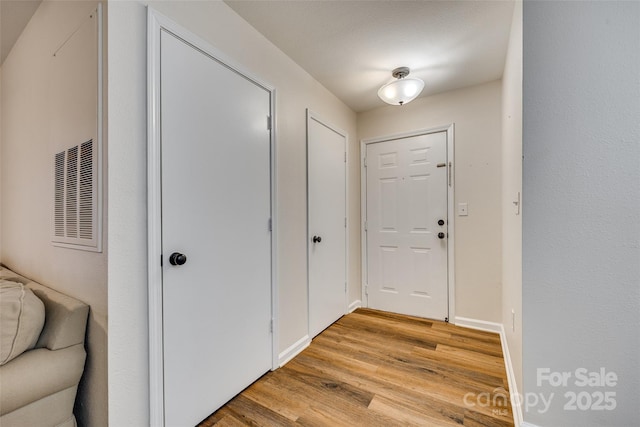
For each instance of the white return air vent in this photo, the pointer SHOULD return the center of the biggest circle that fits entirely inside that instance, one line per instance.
(76, 202)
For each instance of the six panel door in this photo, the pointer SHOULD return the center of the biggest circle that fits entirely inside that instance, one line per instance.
(406, 214)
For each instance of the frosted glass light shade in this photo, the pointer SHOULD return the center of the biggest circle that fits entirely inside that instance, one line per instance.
(401, 91)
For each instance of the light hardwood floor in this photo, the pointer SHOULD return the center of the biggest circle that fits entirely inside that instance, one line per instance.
(372, 368)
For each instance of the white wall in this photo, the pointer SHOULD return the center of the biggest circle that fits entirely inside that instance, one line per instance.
(581, 224)
(28, 145)
(1, 162)
(296, 91)
(476, 113)
(511, 186)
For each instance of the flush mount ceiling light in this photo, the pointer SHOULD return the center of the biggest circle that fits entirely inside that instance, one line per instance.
(401, 91)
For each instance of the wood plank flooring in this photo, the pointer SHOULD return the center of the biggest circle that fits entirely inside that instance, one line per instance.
(372, 368)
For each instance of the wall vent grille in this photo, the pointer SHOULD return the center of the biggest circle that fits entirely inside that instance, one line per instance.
(75, 197)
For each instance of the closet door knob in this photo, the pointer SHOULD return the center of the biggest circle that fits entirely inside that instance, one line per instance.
(177, 258)
(317, 239)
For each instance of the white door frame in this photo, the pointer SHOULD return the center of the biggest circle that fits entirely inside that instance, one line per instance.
(313, 116)
(449, 129)
(156, 23)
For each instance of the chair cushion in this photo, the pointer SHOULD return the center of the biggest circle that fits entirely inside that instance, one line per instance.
(21, 319)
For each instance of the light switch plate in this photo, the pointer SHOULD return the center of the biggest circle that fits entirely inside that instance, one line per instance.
(463, 209)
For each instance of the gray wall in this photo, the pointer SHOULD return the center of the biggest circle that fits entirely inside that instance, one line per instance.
(581, 221)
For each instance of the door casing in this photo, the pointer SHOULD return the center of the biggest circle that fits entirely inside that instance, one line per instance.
(156, 22)
(449, 129)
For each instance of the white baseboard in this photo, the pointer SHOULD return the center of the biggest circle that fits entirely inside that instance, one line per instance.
(297, 347)
(481, 325)
(354, 305)
(498, 328)
(511, 379)
(293, 350)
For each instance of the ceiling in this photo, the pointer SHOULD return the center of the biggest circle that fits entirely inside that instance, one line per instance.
(351, 46)
(14, 15)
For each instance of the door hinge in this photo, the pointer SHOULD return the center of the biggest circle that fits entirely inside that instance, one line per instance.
(366, 290)
(268, 122)
(449, 174)
(365, 226)
(270, 225)
(345, 157)
(161, 257)
(271, 326)
(345, 222)
(365, 162)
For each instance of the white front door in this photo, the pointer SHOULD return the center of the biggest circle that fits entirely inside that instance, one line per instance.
(406, 225)
(326, 224)
(216, 207)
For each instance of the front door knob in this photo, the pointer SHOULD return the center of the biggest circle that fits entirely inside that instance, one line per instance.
(177, 258)
(317, 239)
(441, 235)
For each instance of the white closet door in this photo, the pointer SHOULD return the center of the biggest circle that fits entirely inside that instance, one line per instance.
(215, 212)
(327, 228)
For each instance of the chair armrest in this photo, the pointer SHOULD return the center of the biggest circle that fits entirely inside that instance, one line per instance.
(39, 373)
(65, 321)
(65, 317)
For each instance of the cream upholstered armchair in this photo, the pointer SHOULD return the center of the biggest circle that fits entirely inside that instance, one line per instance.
(43, 354)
